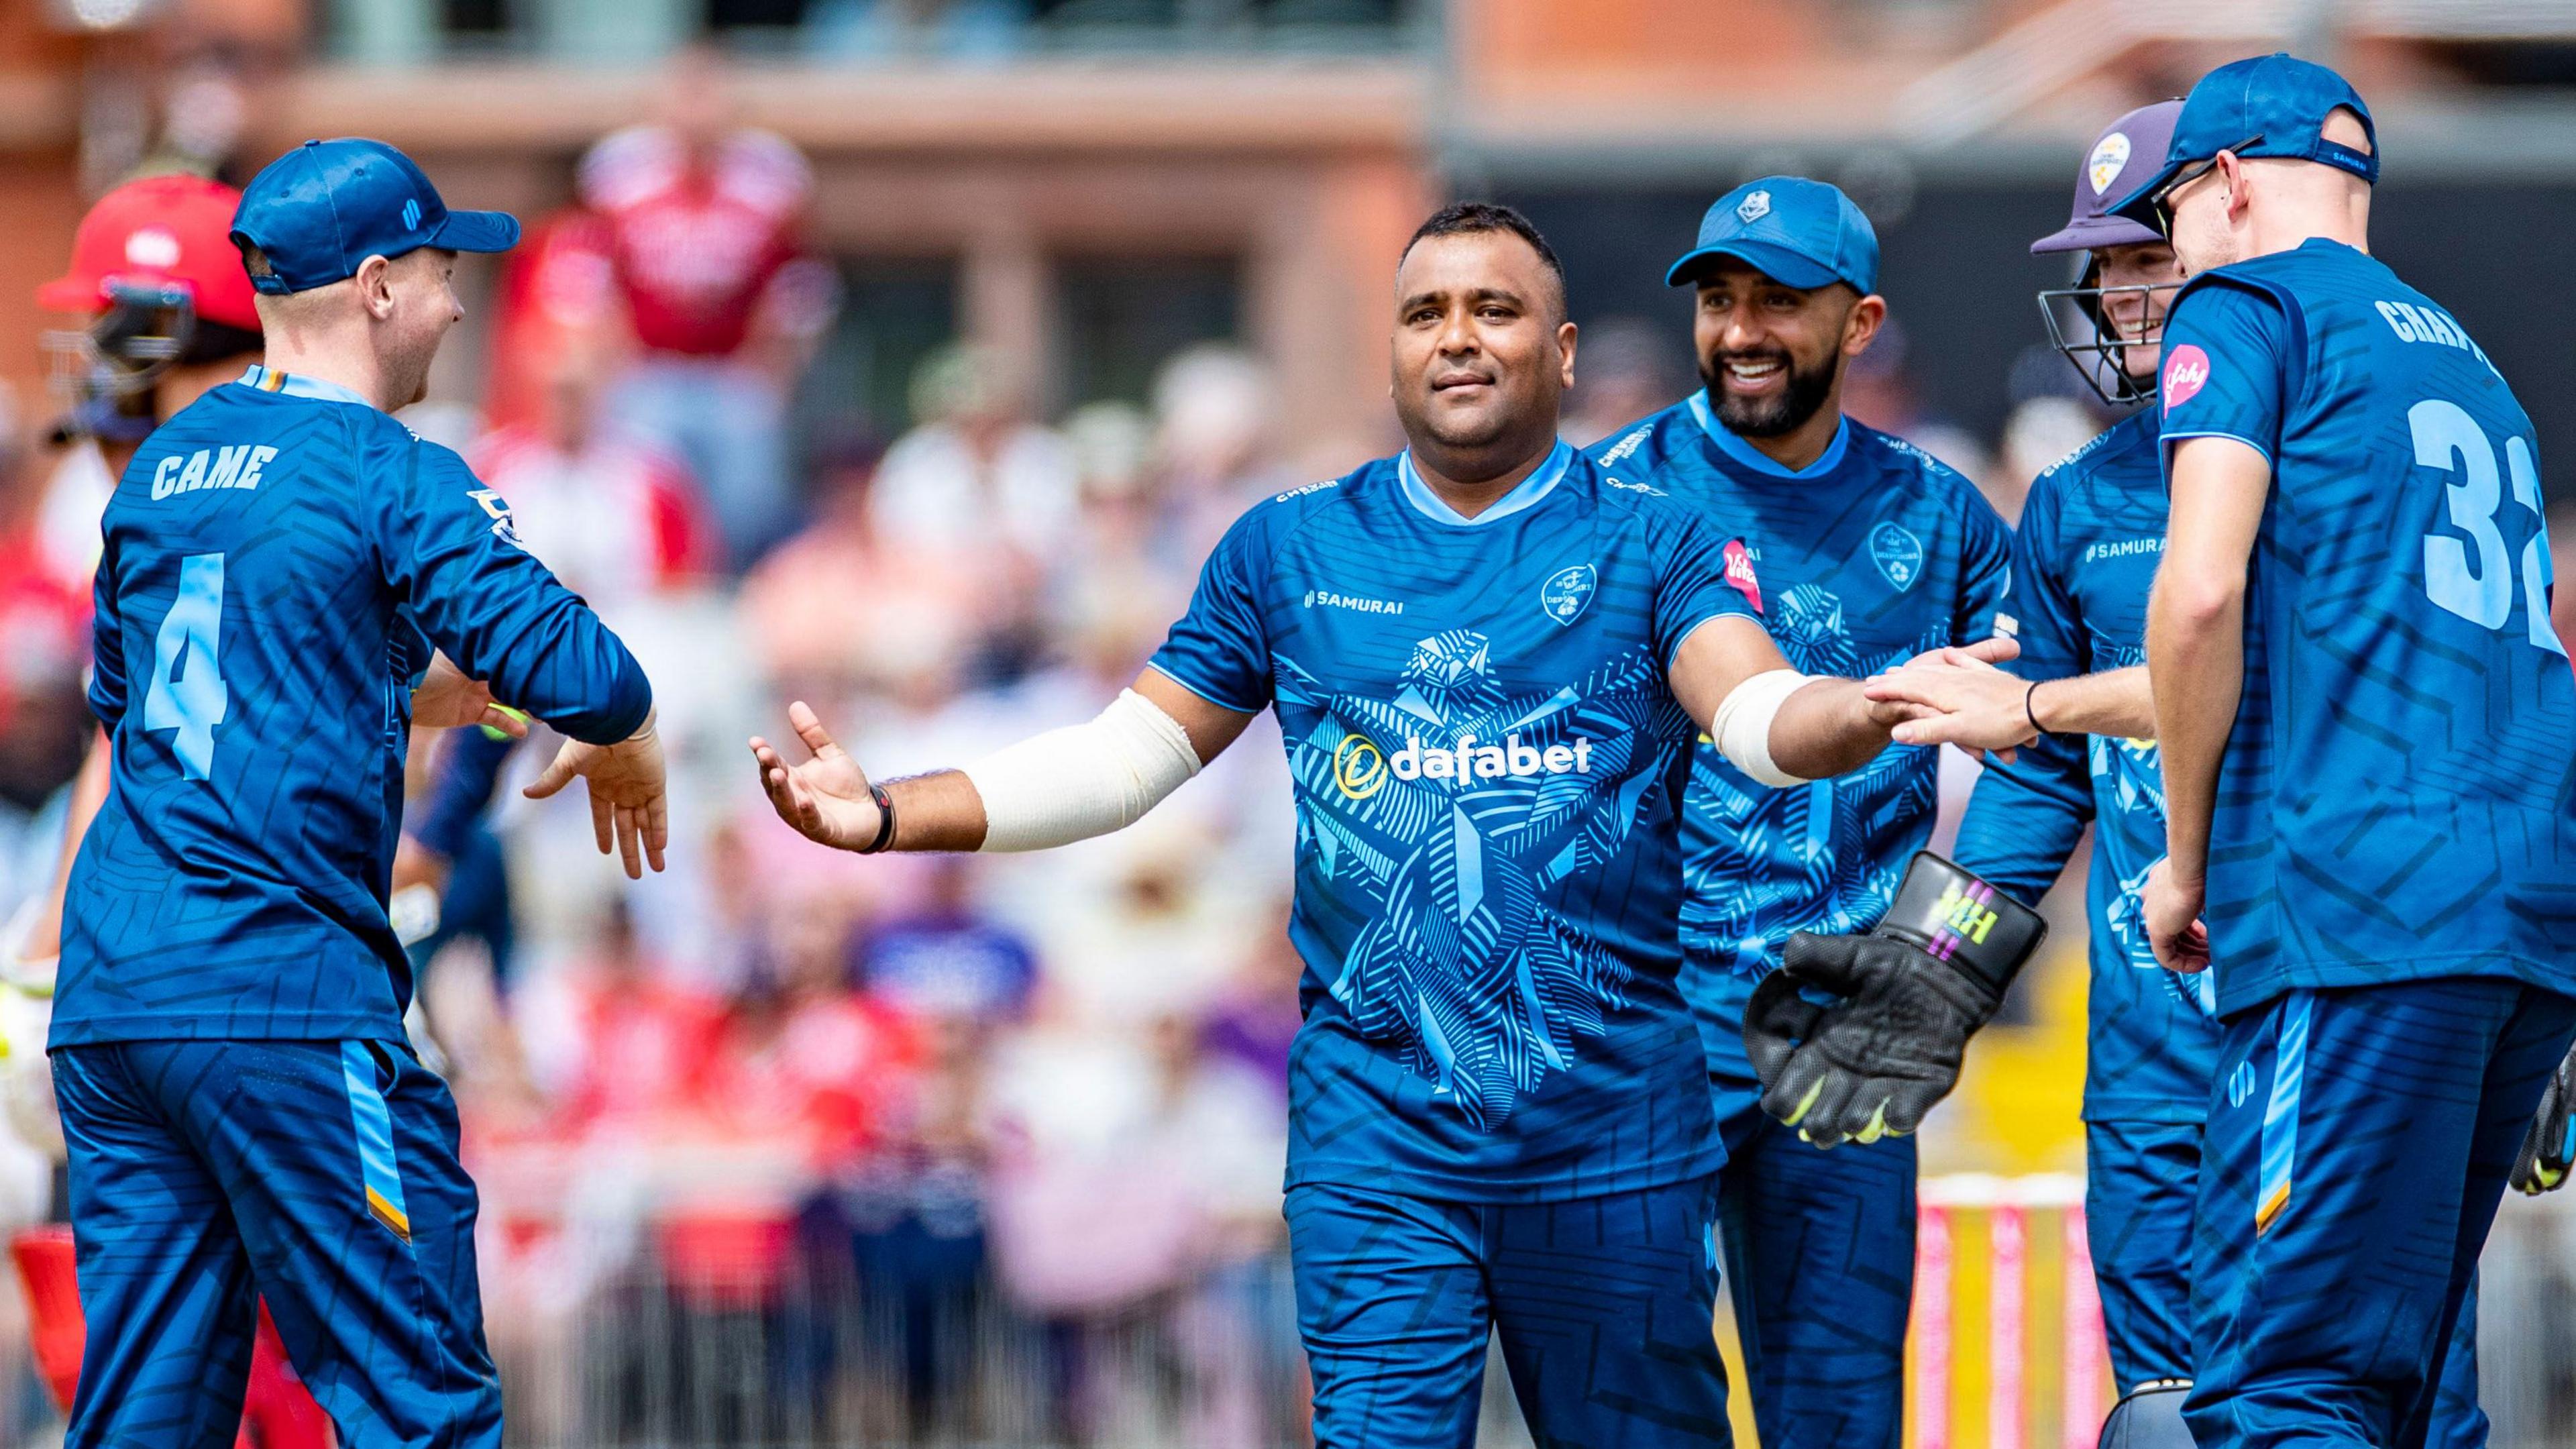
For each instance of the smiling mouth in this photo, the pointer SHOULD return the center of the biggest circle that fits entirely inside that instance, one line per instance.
(1751, 374)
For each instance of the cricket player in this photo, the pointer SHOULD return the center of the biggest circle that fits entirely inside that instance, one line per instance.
(2369, 747)
(1489, 658)
(1869, 552)
(2078, 716)
(243, 1114)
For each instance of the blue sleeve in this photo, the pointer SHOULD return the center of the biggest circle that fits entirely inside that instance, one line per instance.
(2229, 353)
(1691, 583)
(460, 786)
(450, 551)
(106, 647)
(1220, 650)
(1986, 574)
(2024, 819)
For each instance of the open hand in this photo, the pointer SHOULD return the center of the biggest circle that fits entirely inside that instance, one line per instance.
(446, 699)
(2171, 911)
(826, 798)
(626, 794)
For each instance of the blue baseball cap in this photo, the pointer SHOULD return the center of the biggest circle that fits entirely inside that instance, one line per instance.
(2271, 105)
(1797, 232)
(320, 210)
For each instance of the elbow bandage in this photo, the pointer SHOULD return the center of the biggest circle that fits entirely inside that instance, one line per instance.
(1084, 780)
(1742, 728)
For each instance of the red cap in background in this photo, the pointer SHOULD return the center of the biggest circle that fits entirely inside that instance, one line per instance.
(153, 232)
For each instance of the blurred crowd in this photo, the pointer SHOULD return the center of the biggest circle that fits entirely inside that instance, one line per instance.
(950, 1118)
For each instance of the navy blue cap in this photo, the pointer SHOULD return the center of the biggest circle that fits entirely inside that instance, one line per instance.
(2128, 147)
(320, 210)
(1797, 232)
(2271, 105)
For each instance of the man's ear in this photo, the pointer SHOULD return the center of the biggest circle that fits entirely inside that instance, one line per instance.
(2233, 174)
(1861, 324)
(1565, 334)
(374, 281)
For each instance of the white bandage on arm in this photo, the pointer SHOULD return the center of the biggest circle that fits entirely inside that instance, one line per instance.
(1742, 728)
(1083, 780)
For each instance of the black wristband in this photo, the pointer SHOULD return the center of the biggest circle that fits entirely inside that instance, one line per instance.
(2028, 712)
(885, 819)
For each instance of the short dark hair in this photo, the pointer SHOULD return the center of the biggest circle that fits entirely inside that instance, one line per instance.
(254, 260)
(1463, 218)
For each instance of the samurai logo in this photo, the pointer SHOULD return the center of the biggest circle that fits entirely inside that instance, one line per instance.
(1753, 208)
(1898, 553)
(411, 215)
(1566, 591)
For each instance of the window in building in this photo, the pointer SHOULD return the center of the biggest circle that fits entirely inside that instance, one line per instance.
(894, 313)
(1121, 318)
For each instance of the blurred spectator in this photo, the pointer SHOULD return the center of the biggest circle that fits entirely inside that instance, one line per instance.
(1254, 1020)
(704, 225)
(2039, 433)
(941, 959)
(1215, 407)
(975, 471)
(838, 606)
(612, 517)
(616, 1042)
(804, 1058)
(1624, 369)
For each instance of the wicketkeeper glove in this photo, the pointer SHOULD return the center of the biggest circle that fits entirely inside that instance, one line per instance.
(2550, 1143)
(1907, 997)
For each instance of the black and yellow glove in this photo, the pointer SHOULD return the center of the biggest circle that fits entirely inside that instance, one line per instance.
(1902, 1002)
(2550, 1143)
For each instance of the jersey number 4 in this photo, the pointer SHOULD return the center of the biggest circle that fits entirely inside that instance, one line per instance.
(2446, 437)
(187, 692)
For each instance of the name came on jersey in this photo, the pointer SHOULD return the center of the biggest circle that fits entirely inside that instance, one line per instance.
(236, 467)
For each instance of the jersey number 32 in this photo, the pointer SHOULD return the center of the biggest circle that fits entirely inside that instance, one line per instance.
(187, 693)
(2482, 593)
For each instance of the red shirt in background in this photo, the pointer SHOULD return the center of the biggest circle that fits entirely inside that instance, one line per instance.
(701, 245)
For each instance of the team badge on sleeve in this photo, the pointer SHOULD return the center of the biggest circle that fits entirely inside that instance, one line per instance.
(2186, 373)
(1566, 591)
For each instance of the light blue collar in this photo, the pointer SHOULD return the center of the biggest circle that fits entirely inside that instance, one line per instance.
(1760, 462)
(1526, 493)
(298, 385)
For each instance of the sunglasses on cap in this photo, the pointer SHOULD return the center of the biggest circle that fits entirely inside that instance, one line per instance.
(2162, 202)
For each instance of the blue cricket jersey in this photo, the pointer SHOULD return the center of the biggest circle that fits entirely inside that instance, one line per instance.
(280, 561)
(2398, 797)
(2084, 560)
(1868, 556)
(1489, 767)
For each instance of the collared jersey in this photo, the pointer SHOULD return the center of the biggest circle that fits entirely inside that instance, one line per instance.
(2084, 561)
(1489, 767)
(2398, 796)
(280, 561)
(1864, 558)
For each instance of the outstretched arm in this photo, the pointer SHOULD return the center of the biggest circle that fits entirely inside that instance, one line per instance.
(1979, 707)
(1777, 725)
(1055, 788)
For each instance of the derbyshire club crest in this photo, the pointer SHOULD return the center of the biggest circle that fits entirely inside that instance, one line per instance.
(1566, 591)
(2110, 155)
(1753, 208)
(1898, 554)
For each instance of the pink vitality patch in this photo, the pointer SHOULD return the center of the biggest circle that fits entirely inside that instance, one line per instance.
(2186, 373)
(1739, 572)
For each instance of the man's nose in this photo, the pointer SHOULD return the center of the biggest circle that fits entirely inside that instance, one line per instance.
(1458, 334)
